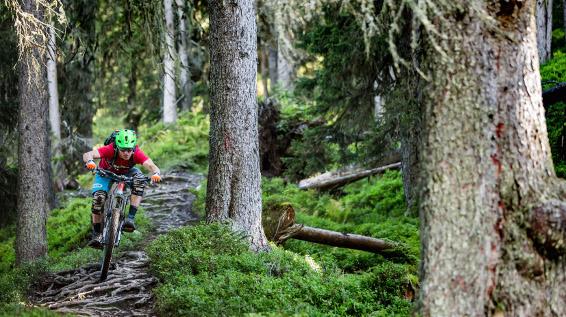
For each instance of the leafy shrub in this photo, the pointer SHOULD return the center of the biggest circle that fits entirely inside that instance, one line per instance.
(207, 270)
(552, 72)
(184, 144)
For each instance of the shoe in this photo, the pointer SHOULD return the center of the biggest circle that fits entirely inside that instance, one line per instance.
(129, 225)
(96, 241)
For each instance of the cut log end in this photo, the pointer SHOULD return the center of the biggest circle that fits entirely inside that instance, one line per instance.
(548, 228)
(279, 226)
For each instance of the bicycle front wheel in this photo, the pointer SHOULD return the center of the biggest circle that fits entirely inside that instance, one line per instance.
(112, 228)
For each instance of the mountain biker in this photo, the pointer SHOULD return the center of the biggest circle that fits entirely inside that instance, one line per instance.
(119, 157)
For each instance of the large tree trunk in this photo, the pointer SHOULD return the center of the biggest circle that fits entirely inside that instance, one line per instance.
(544, 29)
(234, 178)
(185, 73)
(33, 148)
(492, 223)
(169, 89)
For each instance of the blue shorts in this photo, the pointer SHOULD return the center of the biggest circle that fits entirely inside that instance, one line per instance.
(104, 183)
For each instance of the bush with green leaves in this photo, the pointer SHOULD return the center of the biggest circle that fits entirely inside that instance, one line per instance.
(207, 270)
(184, 144)
(552, 72)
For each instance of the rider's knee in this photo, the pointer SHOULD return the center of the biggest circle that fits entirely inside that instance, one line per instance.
(138, 185)
(98, 200)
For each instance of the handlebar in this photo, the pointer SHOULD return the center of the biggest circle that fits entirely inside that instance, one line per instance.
(120, 178)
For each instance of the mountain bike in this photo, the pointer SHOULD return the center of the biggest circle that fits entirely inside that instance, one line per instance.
(114, 214)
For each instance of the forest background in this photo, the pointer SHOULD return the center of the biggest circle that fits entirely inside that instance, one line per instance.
(329, 98)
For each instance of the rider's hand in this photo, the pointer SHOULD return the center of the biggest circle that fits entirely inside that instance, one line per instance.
(90, 165)
(156, 177)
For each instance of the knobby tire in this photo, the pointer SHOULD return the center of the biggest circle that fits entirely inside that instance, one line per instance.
(110, 240)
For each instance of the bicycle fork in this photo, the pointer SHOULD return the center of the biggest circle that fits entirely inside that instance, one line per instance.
(116, 201)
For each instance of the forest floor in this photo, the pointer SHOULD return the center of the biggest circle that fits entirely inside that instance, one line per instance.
(127, 290)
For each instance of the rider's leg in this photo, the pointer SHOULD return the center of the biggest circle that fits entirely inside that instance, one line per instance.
(136, 197)
(100, 188)
(98, 200)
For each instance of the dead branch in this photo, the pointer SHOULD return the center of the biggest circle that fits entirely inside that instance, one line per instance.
(331, 180)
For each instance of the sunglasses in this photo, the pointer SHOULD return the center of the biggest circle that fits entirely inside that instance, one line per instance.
(126, 150)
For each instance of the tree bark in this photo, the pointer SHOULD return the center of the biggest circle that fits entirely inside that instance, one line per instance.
(544, 29)
(233, 192)
(169, 89)
(33, 148)
(185, 72)
(492, 223)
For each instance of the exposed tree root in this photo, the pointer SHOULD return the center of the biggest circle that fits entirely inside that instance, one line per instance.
(127, 290)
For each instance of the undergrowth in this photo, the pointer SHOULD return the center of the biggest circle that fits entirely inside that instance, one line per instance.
(209, 271)
(184, 144)
(68, 230)
(553, 72)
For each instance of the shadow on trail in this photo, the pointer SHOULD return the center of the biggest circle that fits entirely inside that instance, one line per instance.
(127, 290)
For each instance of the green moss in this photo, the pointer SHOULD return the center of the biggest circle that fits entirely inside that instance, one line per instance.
(10, 310)
(207, 270)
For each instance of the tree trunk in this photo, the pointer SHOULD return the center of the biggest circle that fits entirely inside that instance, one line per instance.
(544, 29)
(264, 71)
(273, 67)
(234, 192)
(134, 111)
(492, 223)
(285, 69)
(76, 79)
(185, 72)
(169, 89)
(33, 147)
(54, 116)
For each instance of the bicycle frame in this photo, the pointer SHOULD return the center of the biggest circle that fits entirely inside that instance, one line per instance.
(118, 198)
(114, 215)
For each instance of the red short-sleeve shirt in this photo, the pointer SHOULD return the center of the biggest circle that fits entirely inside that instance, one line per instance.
(120, 166)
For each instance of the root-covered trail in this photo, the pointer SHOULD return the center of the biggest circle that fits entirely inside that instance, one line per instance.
(127, 290)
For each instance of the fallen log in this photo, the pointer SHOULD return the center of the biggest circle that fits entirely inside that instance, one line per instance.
(332, 180)
(554, 95)
(279, 226)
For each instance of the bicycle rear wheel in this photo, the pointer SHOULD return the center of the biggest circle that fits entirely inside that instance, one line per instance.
(112, 228)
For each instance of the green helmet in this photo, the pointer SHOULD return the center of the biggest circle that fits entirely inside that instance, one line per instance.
(126, 139)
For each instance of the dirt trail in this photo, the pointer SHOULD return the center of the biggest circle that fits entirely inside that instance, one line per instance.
(127, 290)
